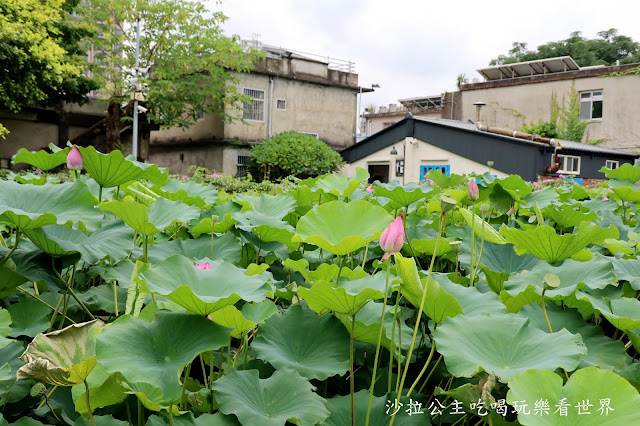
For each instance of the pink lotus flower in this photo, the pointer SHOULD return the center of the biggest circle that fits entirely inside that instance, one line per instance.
(511, 211)
(216, 175)
(206, 266)
(561, 176)
(74, 159)
(473, 191)
(392, 238)
(605, 198)
(536, 184)
(432, 182)
(370, 188)
(209, 317)
(611, 190)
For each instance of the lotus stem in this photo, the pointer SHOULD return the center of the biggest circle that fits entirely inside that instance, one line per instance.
(375, 358)
(544, 311)
(184, 386)
(41, 301)
(70, 290)
(404, 227)
(392, 353)
(343, 259)
(204, 372)
(100, 195)
(146, 249)
(429, 375)
(213, 225)
(366, 251)
(399, 355)
(351, 378)
(15, 246)
(140, 413)
(628, 345)
(86, 386)
(443, 217)
(211, 380)
(475, 269)
(171, 413)
(473, 244)
(424, 369)
(115, 296)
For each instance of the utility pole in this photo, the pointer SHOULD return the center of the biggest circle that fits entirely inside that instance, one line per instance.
(135, 95)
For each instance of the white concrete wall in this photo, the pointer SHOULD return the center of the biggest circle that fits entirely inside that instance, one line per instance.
(418, 153)
(506, 106)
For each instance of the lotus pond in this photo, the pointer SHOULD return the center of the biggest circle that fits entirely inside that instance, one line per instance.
(132, 298)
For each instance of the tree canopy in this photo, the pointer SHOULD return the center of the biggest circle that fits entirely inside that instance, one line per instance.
(605, 49)
(187, 59)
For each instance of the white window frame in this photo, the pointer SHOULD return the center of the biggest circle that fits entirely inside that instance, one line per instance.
(253, 110)
(612, 164)
(280, 101)
(200, 114)
(588, 98)
(315, 135)
(563, 164)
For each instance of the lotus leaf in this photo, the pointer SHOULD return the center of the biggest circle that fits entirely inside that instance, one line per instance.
(611, 390)
(381, 410)
(625, 172)
(481, 228)
(153, 219)
(504, 345)
(112, 169)
(28, 318)
(270, 402)
(154, 353)
(64, 357)
(341, 228)
(405, 195)
(566, 216)
(41, 159)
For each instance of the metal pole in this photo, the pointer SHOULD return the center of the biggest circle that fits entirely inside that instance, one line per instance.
(358, 130)
(135, 102)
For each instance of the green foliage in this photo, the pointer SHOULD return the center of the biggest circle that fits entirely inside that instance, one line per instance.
(606, 49)
(297, 154)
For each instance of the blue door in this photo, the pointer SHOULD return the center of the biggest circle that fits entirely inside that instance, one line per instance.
(444, 168)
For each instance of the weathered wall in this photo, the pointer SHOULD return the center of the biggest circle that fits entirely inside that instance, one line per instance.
(211, 127)
(179, 158)
(418, 153)
(507, 106)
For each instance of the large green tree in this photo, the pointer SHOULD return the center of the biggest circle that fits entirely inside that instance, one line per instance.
(41, 54)
(187, 58)
(605, 49)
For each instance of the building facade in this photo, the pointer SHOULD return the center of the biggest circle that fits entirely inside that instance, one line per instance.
(288, 92)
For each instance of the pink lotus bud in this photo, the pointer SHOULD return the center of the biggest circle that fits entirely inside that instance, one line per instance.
(392, 238)
(511, 211)
(370, 188)
(209, 317)
(473, 191)
(206, 266)
(605, 198)
(611, 190)
(74, 159)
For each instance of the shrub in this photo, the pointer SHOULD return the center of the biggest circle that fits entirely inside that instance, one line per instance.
(295, 154)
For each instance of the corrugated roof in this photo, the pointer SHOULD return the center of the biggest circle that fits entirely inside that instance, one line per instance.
(574, 146)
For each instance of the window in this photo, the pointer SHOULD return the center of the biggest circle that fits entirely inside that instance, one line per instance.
(200, 115)
(281, 104)
(254, 109)
(591, 105)
(612, 164)
(241, 165)
(315, 135)
(445, 169)
(399, 167)
(568, 164)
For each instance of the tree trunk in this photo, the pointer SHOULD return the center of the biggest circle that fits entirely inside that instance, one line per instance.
(113, 124)
(63, 125)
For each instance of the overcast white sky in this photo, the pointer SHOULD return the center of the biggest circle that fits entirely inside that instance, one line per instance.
(413, 47)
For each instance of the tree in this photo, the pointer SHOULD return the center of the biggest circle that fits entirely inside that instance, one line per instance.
(41, 54)
(295, 154)
(189, 62)
(608, 48)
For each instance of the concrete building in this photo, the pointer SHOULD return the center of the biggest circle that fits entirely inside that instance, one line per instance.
(410, 148)
(289, 91)
(521, 93)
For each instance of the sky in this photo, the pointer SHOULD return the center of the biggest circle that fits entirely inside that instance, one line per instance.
(417, 48)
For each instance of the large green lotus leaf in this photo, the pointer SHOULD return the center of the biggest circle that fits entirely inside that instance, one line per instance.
(11, 389)
(113, 169)
(325, 271)
(526, 287)
(515, 186)
(341, 228)
(628, 270)
(591, 385)
(339, 186)
(114, 239)
(152, 173)
(277, 206)
(104, 390)
(403, 196)
(100, 298)
(29, 207)
(625, 172)
(232, 318)
(381, 410)
(204, 291)
(368, 327)
(41, 159)
(269, 402)
(155, 352)
(348, 297)
(64, 357)
(504, 345)
(225, 221)
(498, 262)
(543, 198)
(481, 228)
(264, 226)
(317, 348)
(623, 313)
(470, 299)
(500, 199)
(226, 247)
(626, 193)
(5, 327)
(444, 181)
(191, 192)
(567, 216)
(34, 266)
(544, 243)
(152, 219)
(423, 246)
(602, 351)
(28, 318)
(438, 304)
(618, 246)
(259, 312)
(121, 272)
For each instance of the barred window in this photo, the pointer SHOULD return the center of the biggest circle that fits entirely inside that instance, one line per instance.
(242, 166)
(254, 109)
(281, 104)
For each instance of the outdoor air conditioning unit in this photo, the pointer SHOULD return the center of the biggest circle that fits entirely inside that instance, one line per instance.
(476, 80)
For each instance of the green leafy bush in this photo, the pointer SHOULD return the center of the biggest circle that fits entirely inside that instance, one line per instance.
(295, 154)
